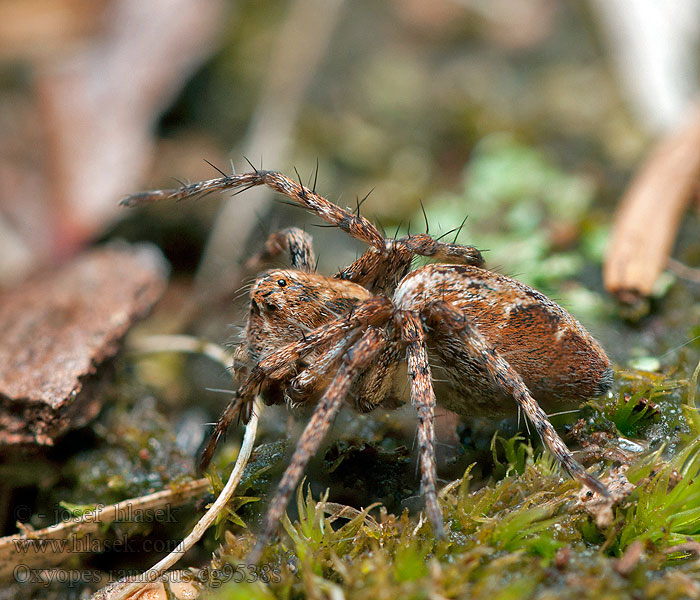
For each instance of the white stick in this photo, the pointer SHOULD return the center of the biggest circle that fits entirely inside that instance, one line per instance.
(205, 522)
(154, 344)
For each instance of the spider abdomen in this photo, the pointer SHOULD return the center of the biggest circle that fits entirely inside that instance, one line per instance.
(556, 357)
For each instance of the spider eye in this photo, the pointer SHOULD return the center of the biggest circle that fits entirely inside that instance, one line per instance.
(281, 282)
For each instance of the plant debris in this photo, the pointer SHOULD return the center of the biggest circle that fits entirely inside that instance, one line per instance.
(59, 327)
(650, 213)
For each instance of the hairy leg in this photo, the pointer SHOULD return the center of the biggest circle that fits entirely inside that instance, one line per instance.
(357, 226)
(378, 385)
(455, 328)
(357, 357)
(283, 361)
(373, 387)
(456, 254)
(423, 398)
(293, 242)
(380, 270)
(317, 375)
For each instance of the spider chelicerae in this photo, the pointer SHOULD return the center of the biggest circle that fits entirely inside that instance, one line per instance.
(358, 336)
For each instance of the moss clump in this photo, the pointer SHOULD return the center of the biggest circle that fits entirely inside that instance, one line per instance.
(525, 534)
(138, 455)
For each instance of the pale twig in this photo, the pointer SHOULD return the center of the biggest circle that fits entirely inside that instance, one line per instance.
(209, 517)
(88, 524)
(154, 344)
(294, 62)
(650, 212)
(683, 271)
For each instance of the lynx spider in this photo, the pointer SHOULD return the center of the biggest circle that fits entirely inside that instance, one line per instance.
(317, 340)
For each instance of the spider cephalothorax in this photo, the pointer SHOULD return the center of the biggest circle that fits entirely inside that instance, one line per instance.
(322, 341)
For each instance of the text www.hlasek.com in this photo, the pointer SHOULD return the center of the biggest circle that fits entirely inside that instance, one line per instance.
(89, 545)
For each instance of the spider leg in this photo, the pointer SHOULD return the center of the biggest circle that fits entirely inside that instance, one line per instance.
(423, 398)
(282, 362)
(382, 270)
(356, 225)
(424, 245)
(316, 376)
(377, 385)
(379, 270)
(357, 357)
(456, 328)
(373, 387)
(292, 241)
(239, 408)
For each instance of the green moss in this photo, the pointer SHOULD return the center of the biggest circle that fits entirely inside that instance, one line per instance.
(137, 454)
(665, 506)
(523, 535)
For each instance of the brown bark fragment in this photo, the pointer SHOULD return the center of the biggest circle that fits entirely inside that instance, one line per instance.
(58, 327)
(650, 212)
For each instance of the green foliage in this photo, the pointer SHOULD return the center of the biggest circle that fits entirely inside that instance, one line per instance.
(630, 413)
(645, 405)
(77, 510)
(264, 460)
(518, 519)
(665, 507)
(690, 409)
(313, 533)
(230, 512)
(516, 451)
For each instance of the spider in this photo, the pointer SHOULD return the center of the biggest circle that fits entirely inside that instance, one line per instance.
(356, 337)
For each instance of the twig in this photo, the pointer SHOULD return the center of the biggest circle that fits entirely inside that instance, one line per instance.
(683, 271)
(648, 217)
(293, 64)
(154, 344)
(86, 524)
(209, 517)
